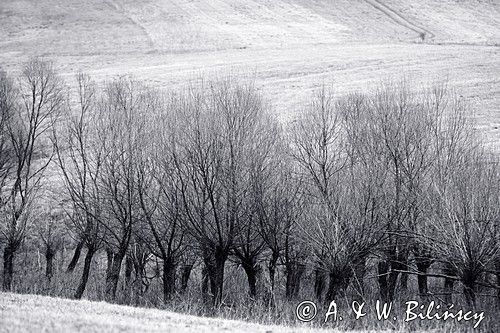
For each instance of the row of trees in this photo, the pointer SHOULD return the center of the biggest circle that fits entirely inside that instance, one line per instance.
(208, 174)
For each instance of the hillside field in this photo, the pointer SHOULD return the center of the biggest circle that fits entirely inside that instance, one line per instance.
(290, 47)
(31, 313)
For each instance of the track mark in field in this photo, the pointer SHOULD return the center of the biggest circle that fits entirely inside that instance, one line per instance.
(400, 19)
(134, 21)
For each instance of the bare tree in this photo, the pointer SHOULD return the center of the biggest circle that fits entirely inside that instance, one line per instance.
(159, 198)
(51, 230)
(80, 159)
(403, 138)
(344, 192)
(36, 108)
(263, 165)
(122, 132)
(465, 217)
(278, 203)
(211, 157)
(137, 259)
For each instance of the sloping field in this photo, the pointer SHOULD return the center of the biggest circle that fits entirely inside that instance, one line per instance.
(30, 313)
(288, 46)
(96, 27)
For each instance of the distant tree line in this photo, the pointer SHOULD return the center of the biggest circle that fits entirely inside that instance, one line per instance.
(208, 174)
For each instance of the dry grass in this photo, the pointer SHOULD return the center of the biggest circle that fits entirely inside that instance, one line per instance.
(31, 313)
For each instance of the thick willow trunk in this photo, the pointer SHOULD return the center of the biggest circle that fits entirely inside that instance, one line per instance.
(205, 281)
(113, 275)
(273, 262)
(49, 262)
(448, 285)
(319, 282)
(76, 257)
(168, 279)
(129, 266)
(216, 275)
(337, 285)
(423, 267)
(186, 273)
(383, 271)
(85, 274)
(470, 293)
(8, 267)
(252, 270)
(294, 272)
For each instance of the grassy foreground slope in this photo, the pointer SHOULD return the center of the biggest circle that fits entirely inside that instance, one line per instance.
(31, 313)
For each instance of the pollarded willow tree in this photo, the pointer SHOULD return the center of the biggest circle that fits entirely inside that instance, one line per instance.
(436, 173)
(402, 124)
(51, 232)
(122, 130)
(29, 110)
(163, 221)
(277, 205)
(220, 133)
(249, 245)
(463, 225)
(80, 159)
(343, 187)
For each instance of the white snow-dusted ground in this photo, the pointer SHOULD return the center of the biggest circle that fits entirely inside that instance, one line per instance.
(31, 313)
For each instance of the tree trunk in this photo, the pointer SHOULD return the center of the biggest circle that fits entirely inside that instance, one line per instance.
(186, 273)
(85, 275)
(49, 262)
(402, 264)
(294, 273)
(396, 265)
(423, 267)
(252, 271)
(337, 285)
(403, 281)
(109, 263)
(205, 280)
(272, 269)
(113, 275)
(139, 277)
(269, 297)
(62, 255)
(8, 268)
(76, 257)
(358, 279)
(391, 285)
(319, 281)
(216, 274)
(129, 266)
(168, 279)
(448, 285)
(383, 270)
(470, 294)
